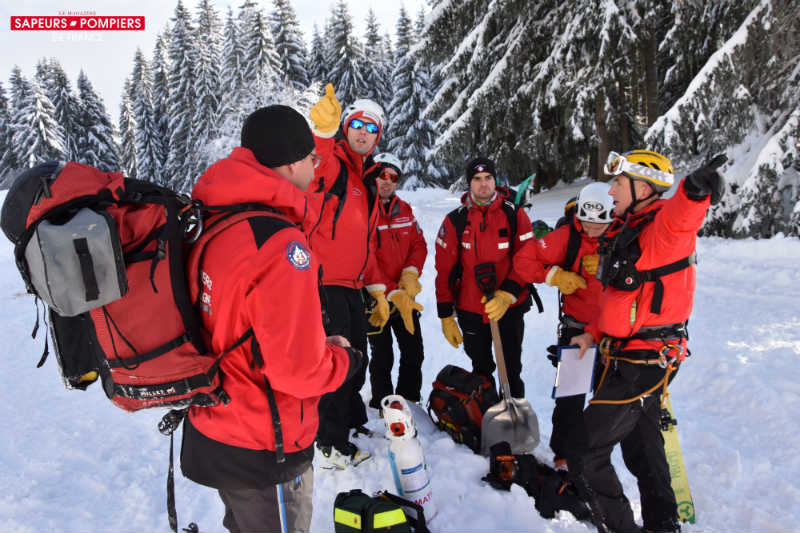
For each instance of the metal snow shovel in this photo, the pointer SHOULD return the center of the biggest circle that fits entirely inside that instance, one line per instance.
(512, 419)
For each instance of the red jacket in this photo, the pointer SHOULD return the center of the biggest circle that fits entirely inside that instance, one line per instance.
(486, 238)
(268, 282)
(534, 260)
(669, 237)
(343, 237)
(400, 243)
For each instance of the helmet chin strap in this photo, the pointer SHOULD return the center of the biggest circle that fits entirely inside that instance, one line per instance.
(634, 201)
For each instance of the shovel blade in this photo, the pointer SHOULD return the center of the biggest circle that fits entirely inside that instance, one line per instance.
(512, 420)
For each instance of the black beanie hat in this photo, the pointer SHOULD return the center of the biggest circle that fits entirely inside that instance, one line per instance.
(480, 164)
(277, 135)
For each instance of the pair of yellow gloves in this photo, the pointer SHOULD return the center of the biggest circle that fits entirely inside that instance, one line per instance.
(496, 307)
(403, 299)
(569, 282)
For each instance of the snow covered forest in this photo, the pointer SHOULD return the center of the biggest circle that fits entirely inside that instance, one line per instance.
(546, 87)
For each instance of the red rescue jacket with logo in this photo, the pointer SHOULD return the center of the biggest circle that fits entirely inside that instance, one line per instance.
(255, 276)
(343, 237)
(669, 237)
(534, 260)
(486, 238)
(400, 243)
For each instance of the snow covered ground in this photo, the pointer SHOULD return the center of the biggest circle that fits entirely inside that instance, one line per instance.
(70, 461)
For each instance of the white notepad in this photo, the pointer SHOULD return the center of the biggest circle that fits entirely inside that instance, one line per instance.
(574, 376)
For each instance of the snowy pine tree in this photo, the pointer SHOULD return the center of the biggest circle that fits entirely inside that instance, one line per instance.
(232, 71)
(346, 58)
(401, 107)
(67, 108)
(181, 102)
(207, 86)
(18, 92)
(745, 99)
(127, 133)
(317, 63)
(36, 133)
(377, 72)
(262, 67)
(5, 136)
(159, 98)
(96, 145)
(289, 43)
(149, 147)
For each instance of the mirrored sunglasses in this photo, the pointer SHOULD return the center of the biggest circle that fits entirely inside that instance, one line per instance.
(386, 175)
(316, 159)
(357, 124)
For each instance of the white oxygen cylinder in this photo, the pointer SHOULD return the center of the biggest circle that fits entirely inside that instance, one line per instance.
(410, 472)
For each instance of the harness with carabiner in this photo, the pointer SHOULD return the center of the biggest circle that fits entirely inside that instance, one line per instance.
(669, 356)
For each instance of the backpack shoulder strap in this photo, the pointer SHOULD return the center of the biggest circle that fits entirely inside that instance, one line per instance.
(264, 222)
(511, 214)
(338, 189)
(510, 210)
(458, 218)
(573, 246)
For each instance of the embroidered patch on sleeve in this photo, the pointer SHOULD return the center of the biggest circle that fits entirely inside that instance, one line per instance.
(298, 256)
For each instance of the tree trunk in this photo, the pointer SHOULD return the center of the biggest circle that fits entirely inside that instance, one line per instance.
(651, 78)
(635, 109)
(624, 113)
(602, 134)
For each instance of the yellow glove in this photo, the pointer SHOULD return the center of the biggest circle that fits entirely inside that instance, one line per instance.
(326, 113)
(590, 263)
(406, 305)
(566, 281)
(451, 331)
(409, 282)
(498, 305)
(380, 314)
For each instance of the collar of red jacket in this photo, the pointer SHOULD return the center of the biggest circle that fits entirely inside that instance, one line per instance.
(502, 194)
(240, 178)
(631, 220)
(354, 161)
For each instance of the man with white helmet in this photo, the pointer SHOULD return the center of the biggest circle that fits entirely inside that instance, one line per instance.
(343, 238)
(401, 253)
(647, 269)
(567, 258)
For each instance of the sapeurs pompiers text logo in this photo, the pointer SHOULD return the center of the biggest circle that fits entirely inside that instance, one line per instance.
(77, 21)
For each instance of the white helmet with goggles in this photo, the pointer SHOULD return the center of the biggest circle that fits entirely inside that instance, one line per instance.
(388, 160)
(594, 203)
(644, 165)
(365, 109)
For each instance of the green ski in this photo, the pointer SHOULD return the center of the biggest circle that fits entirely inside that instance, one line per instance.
(677, 470)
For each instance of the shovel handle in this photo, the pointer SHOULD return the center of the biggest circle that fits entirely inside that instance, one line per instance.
(501, 361)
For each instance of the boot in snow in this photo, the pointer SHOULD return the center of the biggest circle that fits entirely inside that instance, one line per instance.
(339, 459)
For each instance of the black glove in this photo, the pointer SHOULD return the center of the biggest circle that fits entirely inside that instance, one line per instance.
(357, 362)
(706, 180)
(552, 354)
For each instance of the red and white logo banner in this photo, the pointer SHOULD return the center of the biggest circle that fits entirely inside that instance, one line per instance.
(78, 23)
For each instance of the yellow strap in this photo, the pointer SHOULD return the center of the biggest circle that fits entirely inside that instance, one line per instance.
(388, 518)
(347, 518)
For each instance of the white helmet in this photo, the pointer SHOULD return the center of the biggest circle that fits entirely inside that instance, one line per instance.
(364, 107)
(389, 160)
(594, 203)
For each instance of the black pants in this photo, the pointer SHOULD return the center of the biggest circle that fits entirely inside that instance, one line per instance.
(343, 409)
(635, 426)
(478, 345)
(409, 379)
(569, 432)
